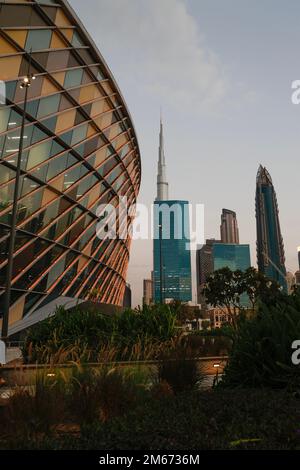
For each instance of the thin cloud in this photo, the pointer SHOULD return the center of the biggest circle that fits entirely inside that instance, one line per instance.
(157, 47)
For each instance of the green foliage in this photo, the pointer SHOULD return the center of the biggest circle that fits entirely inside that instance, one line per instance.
(202, 421)
(225, 289)
(91, 336)
(180, 371)
(222, 419)
(261, 352)
(34, 410)
(76, 398)
(100, 394)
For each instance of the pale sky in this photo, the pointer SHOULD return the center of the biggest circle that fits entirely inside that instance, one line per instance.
(222, 71)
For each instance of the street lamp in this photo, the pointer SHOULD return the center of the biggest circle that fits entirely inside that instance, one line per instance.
(25, 84)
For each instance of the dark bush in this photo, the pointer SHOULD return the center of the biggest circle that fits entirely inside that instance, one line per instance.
(262, 348)
(220, 419)
(180, 370)
(35, 410)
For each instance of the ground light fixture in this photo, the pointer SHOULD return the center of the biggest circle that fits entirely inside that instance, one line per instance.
(216, 366)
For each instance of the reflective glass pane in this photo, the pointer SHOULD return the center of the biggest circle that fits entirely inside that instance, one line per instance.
(38, 39)
(73, 78)
(38, 154)
(49, 105)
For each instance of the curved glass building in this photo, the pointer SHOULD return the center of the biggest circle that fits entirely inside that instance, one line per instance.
(270, 249)
(80, 150)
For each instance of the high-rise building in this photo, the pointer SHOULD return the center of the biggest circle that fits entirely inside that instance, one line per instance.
(270, 248)
(80, 150)
(147, 292)
(204, 267)
(231, 256)
(229, 227)
(172, 277)
(172, 256)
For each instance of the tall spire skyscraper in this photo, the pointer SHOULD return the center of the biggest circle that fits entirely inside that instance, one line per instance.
(270, 249)
(162, 184)
(171, 243)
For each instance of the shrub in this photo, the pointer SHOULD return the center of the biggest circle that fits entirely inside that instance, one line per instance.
(180, 370)
(35, 410)
(261, 352)
(100, 394)
(223, 419)
(83, 395)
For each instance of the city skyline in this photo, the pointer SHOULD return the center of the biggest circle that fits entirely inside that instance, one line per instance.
(149, 273)
(220, 108)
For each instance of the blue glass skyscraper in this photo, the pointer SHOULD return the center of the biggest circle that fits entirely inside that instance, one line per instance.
(172, 257)
(270, 248)
(172, 277)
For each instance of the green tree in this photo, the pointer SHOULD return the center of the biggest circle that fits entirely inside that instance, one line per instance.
(260, 288)
(224, 289)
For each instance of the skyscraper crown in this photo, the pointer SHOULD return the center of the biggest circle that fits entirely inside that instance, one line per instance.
(263, 176)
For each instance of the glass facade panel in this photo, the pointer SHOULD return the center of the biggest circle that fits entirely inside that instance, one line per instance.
(48, 105)
(38, 39)
(73, 78)
(38, 154)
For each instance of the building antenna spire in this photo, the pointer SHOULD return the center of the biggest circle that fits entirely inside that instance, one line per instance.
(162, 184)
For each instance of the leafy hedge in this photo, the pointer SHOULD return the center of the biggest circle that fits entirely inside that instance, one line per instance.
(221, 419)
(262, 348)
